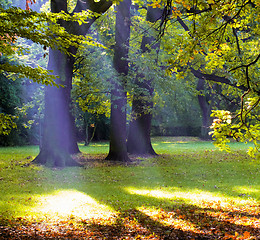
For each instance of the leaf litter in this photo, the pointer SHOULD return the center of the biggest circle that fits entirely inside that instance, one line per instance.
(207, 221)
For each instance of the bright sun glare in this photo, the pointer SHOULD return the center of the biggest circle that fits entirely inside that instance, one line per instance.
(196, 197)
(69, 203)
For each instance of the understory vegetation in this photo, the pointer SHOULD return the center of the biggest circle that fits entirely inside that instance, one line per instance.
(190, 191)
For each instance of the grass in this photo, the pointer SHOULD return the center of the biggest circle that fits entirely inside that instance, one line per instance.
(191, 190)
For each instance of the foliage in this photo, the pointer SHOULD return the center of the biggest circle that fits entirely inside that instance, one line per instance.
(178, 110)
(20, 98)
(191, 191)
(91, 91)
(217, 41)
(91, 88)
(243, 127)
(31, 113)
(10, 95)
(7, 123)
(42, 28)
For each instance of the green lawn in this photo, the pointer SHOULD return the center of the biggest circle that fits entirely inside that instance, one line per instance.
(191, 190)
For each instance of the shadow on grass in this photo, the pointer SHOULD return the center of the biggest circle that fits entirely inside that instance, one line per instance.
(179, 220)
(152, 199)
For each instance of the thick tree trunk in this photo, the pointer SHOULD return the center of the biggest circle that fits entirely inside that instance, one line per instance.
(59, 135)
(59, 140)
(139, 140)
(118, 150)
(205, 110)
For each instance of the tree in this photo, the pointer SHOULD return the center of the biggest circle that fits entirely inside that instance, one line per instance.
(40, 28)
(59, 140)
(117, 149)
(10, 95)
(139, 141)
(217, 44)
(91, 93)
(16, 23)
(204, 98)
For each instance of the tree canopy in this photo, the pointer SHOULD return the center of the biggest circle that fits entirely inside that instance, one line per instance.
(42, 28)
(216, 42)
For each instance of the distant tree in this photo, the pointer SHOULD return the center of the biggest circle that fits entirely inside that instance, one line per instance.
(11, 97)
(204, 102)
(176, 108)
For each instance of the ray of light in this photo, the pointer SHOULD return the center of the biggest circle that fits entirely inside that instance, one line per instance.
(195, 197)
(71, 203)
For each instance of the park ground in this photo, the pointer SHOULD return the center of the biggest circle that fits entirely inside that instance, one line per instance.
(190, 191)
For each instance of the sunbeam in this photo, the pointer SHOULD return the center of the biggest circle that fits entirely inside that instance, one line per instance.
(71, 203)
(196, 197)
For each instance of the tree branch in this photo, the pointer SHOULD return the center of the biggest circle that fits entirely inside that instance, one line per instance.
(96, 7)
(237, 41)
(183, 24)
(228, 20)
(215, 78)
(246, 65)
(196, 11)
(211, 77)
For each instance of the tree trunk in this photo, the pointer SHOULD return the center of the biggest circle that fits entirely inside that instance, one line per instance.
(86, 131)
(118, 150)
(205, 110)
(59, 140)
(139, 140)
(59, 135)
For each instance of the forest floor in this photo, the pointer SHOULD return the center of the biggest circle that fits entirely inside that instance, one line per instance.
(190, 191)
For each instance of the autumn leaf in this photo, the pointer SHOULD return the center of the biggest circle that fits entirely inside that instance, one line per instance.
(246, 235)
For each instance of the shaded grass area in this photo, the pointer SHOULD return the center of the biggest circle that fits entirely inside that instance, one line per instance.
(190, 191)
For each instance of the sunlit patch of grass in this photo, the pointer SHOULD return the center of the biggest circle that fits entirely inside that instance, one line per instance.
(191, 190)
(247, 190)
(194, 197)
(95, 148)
(64, 204)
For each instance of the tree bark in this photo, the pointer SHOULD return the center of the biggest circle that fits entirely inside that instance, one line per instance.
(59, 140)
(59, 135)
(205, 110)
(139, 140)
(118, 150)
